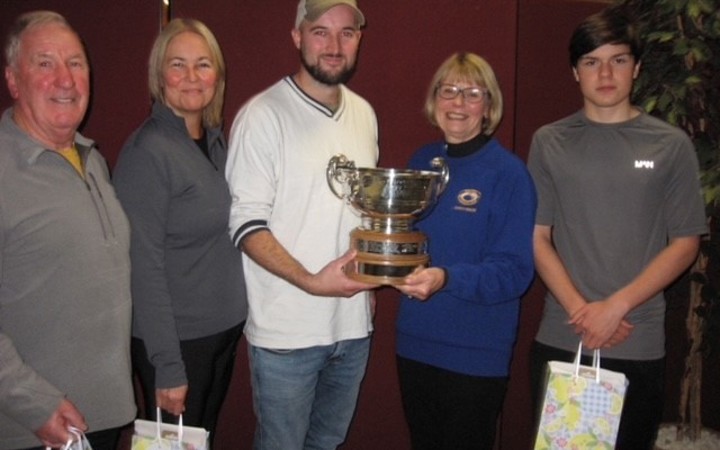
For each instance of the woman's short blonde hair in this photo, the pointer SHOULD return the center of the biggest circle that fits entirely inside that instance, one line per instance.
(473, 69)
(212, 115)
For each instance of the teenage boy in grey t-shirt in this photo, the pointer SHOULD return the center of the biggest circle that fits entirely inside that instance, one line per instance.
(619, 219)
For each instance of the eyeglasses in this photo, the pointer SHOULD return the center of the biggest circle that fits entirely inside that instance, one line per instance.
(470, 94)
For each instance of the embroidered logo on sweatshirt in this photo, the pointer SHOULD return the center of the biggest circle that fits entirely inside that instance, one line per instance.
(468, 199)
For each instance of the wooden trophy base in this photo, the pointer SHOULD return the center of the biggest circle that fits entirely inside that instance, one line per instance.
(387, 258)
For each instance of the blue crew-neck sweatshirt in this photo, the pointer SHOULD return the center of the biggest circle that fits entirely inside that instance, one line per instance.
(480, 232)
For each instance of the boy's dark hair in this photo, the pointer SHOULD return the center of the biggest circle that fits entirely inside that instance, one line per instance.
(610, 26)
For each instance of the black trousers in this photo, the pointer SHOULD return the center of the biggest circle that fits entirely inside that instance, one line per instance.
(209, 363)
(644, 398)
(447, 410)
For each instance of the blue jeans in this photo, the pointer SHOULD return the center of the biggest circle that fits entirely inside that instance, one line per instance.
(305, 398)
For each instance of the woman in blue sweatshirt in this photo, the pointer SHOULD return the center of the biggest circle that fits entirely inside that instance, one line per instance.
(458, 317)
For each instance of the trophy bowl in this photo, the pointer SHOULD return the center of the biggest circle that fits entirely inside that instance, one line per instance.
(389, 201)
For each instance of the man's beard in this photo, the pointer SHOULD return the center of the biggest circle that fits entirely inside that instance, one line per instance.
(327, 78)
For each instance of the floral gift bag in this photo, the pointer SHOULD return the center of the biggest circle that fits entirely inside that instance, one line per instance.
(582, 406)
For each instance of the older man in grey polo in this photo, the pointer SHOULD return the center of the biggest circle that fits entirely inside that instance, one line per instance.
(64, 253)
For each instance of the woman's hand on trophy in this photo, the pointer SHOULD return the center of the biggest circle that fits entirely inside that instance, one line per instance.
(332, 281)
(423, 282)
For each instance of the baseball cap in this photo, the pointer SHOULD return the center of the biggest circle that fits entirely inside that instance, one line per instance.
(311, 10)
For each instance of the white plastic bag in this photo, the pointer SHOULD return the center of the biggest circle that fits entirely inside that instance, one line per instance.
(77, 441)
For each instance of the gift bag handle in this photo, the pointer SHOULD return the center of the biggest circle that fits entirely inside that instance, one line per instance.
(158, 421)
(595, 362)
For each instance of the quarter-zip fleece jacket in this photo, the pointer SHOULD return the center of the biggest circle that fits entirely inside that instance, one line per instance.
(187, 279)
(64, 289)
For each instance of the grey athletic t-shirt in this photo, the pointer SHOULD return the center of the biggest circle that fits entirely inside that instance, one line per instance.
(614, 194)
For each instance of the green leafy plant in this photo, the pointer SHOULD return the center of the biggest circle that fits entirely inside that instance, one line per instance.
(680, 83)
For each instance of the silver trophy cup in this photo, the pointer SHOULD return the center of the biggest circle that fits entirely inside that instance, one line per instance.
(389, 201)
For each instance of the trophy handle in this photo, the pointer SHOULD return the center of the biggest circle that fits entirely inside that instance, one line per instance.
(439, 163)
(334, 172)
